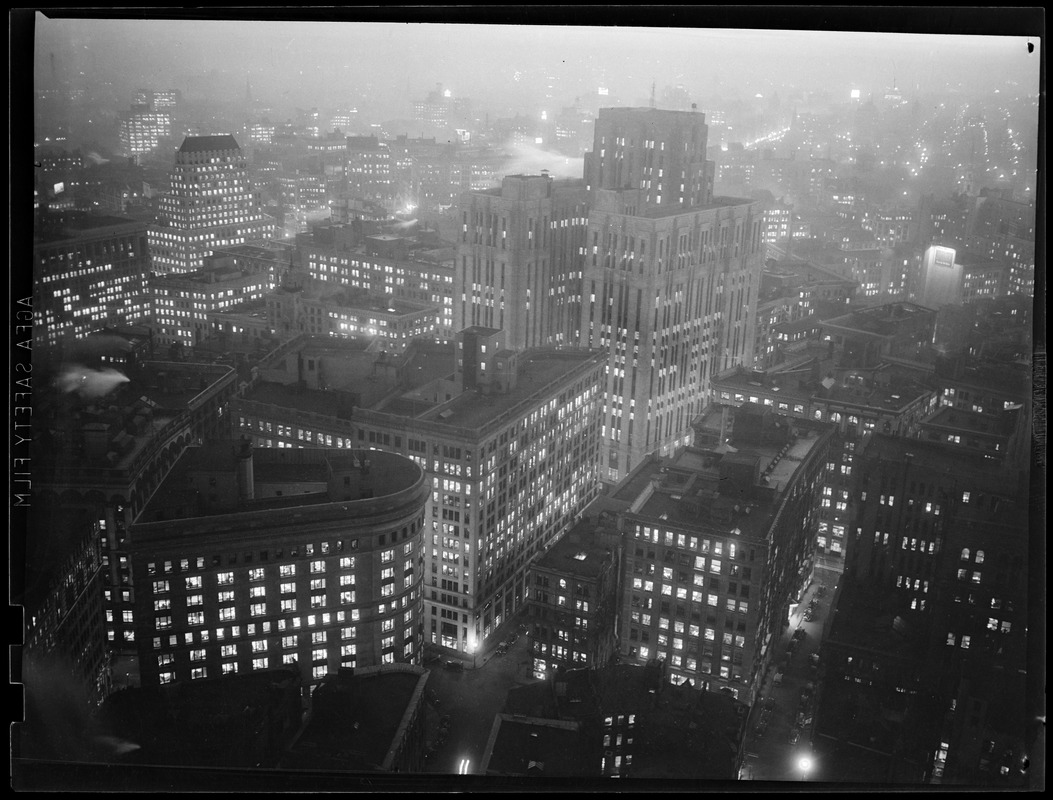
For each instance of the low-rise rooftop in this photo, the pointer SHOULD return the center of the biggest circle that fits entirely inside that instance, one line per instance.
(204, 722)
(533, 747)
(735, 488)
(357, 719)
(885, 320)
(583, 550)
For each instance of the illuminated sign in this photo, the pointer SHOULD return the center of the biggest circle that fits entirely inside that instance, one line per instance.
(856, 94)
(943, 256)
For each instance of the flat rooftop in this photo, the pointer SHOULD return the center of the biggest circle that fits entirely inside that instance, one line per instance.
(363, 301)
(147, 399)
(787, 387)
(359, 374)
(537, 747)
(660, 212)
(415, 384)
(62, 226)
(188, 493)
(714, 489)
(537, 369)
(354, 719)
(192, 722)
(938, 458)
(883, 320)
(966, 421)
(892, 398)
(802, 324)
(680, 731)
(583, 550)
(997, 377)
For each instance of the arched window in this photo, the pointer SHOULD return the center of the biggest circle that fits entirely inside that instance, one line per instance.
(979, 556)
(965, 554)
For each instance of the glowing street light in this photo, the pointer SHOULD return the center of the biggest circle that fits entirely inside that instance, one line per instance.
(473, 646)
(805, 764)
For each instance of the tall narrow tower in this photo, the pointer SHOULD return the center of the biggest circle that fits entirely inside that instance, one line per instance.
(671, 277)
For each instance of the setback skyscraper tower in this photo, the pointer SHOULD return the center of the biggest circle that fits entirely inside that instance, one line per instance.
(671, 276)
(210, 204)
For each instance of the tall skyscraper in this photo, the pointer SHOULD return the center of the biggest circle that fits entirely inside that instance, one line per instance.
(519, 260)
(671, 278)
(661, 153)
(667, 274)
(210, 204)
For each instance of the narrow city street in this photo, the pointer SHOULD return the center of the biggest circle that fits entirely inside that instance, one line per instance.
(462, 704)
(778, 743)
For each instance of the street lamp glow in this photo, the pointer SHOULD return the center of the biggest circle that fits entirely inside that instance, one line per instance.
(804, 763)
(464, 766)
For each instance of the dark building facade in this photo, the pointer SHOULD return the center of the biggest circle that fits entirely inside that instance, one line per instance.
(574, 600)
(106, 440)
(88, 272)
(230, 721)
(931, 624)
(366, 720)
(61, 594)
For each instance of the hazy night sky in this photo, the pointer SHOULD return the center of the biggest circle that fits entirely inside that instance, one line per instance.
(300, 64)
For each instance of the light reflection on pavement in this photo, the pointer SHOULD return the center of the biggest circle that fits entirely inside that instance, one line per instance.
(471, 699)
(772, 757)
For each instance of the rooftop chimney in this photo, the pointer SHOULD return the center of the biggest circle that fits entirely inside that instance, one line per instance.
(246, 479)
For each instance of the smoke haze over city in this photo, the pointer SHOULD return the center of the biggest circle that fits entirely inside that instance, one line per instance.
(403, 395)
(298, 63)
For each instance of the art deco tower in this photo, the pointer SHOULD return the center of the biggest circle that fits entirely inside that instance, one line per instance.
(210, 204)
(671, 277)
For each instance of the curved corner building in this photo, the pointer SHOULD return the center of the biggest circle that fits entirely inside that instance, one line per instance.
(247, 560)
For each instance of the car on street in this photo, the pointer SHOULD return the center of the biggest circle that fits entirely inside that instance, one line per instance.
(453, 666)
(795, 734)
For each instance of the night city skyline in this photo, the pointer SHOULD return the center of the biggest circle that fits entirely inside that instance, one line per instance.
(407, 399)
